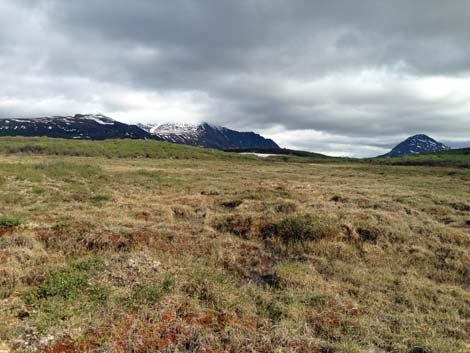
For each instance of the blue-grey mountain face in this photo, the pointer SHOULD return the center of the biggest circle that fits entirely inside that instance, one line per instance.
(415, 145)
(89, 127)
(209, 136)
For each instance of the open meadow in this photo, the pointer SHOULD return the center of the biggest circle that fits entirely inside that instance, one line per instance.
(141, 246)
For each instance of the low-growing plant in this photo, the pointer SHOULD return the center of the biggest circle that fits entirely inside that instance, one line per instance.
(368, 234)
(60, 226)
(107, 240)
(286, 207)
(9, 222)
(151, 292)
(231, 203)
(38, 191)
(235, 224)
(65, 283)
(369, 231)
(299, 229)
(100, 198)
(339, 198)
(90, 264)
(461, 206)
(99, 293)
(182, 212)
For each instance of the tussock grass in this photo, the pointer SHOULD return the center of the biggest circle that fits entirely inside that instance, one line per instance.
(300, 229)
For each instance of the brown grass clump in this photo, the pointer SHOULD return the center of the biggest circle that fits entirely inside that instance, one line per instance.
(299, 229)
(236, 224)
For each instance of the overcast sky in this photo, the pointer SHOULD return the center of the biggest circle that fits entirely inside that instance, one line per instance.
(342, 77)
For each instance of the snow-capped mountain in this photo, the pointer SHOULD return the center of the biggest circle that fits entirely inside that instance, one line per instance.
(417, 144)
(207, 135)
(79, 126)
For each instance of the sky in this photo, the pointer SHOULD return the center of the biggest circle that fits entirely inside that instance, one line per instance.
(341, 77)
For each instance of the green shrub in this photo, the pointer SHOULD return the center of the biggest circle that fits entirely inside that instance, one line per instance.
(90, 264)
(299, 229)
(151, 292)
(38, 191)
(64, 283)
(60, 226)
(99, 293)
(100, 198)
(8, 222)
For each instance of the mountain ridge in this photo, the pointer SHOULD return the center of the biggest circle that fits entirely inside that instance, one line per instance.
(208, 135)
(78, 126)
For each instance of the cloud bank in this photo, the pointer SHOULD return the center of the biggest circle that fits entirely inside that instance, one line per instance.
(338, 77)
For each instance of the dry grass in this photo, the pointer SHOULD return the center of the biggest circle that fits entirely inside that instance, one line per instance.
(147, 255)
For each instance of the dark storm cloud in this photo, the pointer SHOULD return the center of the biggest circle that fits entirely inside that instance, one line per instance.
(359, 73)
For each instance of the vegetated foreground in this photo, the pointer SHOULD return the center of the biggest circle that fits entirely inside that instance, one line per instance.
(147, 255)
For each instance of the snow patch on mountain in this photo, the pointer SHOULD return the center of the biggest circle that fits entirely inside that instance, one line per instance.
(175, 129)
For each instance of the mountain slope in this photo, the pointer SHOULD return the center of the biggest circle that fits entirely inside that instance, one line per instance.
(415, 145)
(89, 126)
(207, 135)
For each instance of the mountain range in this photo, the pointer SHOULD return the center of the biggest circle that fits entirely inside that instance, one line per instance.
(100, 127)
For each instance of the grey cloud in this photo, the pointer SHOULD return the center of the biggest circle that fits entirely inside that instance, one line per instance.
(263, 64)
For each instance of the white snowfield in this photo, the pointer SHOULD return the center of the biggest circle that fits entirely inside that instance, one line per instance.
(100, 119)
(262, 155)
(175, 129)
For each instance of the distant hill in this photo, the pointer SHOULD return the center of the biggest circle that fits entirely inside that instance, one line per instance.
(416, 144)
(79, 126)
(207, 135)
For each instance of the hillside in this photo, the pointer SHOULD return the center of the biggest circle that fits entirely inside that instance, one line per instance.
(196, 250)
(117, 148)
(123, 148)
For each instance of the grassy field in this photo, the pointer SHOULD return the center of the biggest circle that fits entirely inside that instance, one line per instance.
(174, 249)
